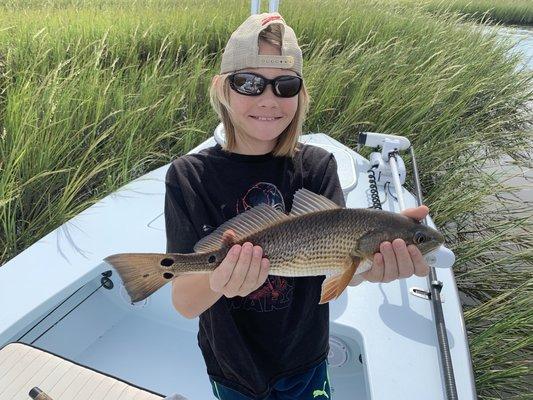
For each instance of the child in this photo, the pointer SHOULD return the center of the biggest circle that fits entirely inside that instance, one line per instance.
(262, 337)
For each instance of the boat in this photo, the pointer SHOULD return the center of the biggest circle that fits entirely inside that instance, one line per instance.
(59, 298)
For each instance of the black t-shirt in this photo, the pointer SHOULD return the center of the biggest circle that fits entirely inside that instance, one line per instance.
(279, 329)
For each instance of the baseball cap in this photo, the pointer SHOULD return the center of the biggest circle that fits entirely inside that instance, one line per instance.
(242, 49)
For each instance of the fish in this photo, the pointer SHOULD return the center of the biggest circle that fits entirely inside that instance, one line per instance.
(318, 237)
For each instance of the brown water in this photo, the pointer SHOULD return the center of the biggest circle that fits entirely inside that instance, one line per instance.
(519, 176)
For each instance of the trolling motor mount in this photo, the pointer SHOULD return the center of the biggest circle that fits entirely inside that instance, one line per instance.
(379, 160)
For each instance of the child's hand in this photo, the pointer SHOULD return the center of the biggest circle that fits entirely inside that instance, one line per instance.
(242, 271)
(396, 260)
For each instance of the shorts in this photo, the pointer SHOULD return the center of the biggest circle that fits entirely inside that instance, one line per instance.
(311, 384)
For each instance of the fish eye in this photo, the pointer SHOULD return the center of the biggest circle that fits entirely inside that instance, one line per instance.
(419, 238)
(211, 259)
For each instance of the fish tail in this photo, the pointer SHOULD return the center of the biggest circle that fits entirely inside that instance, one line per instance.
(141, 273)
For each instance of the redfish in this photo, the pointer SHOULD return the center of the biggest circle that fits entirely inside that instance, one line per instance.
(318, 237)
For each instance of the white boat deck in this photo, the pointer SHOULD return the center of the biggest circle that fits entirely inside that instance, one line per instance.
(151, 345)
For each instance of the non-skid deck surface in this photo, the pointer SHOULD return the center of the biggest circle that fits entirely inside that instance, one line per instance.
(23, 367)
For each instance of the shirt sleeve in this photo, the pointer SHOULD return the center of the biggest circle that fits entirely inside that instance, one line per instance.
(180, 233)
(330, 186)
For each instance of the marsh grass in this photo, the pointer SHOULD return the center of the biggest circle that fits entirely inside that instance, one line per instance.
(96, 93)
(515, 12)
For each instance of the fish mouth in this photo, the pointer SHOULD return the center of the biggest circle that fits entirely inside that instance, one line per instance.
(430, 246)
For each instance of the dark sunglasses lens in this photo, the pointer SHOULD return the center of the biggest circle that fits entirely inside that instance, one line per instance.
(288, 86)
(248, 84)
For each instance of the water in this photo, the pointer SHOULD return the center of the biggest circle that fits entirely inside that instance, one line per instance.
(523, 36)
(521, 177)
(517, 176)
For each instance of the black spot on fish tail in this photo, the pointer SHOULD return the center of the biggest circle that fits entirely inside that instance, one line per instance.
(166, 262)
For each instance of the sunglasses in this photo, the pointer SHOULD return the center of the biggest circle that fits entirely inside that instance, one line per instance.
(251, 84)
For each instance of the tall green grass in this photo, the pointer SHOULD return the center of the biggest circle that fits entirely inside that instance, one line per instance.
(510, 12)
(96, 93)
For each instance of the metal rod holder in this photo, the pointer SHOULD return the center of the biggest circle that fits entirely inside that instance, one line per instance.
(436, 301)
(255, 7)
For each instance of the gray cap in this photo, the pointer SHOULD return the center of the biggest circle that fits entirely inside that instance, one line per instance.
(242, 49)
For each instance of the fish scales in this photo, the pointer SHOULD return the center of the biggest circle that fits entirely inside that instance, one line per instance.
(317, 238)
(295, 247)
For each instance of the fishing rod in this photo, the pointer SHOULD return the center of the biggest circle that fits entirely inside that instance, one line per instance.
(389, 165)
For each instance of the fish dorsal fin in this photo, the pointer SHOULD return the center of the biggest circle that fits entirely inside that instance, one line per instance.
(305, 202)
(242, 225)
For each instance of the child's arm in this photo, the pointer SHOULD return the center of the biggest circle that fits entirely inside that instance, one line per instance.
(192, 294)
(240, 273)
(189, 292)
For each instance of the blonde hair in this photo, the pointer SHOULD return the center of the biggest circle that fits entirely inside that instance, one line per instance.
(219, 98)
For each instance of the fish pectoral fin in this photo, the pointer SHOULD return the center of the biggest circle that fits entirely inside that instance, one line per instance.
(229, 238)
(364, 266)
(333, 286)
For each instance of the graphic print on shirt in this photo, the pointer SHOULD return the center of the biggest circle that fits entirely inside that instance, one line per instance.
(276, 292)
(260, 193)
